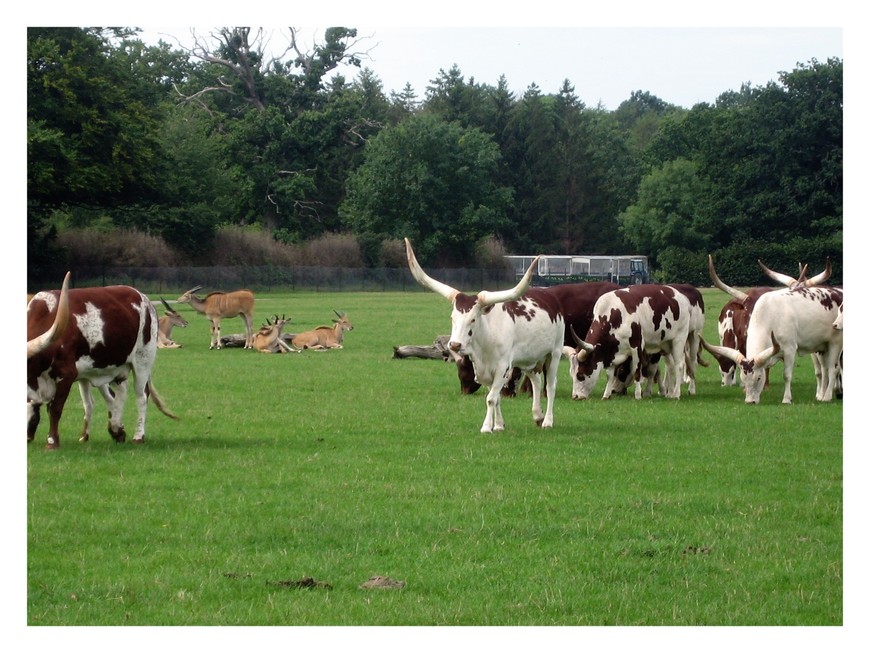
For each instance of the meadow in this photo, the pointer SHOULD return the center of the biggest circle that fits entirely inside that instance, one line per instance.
(290, 480)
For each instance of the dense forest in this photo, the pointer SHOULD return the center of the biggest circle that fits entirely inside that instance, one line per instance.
(183, 151)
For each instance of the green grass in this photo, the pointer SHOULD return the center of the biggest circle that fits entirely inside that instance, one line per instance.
(347, 464)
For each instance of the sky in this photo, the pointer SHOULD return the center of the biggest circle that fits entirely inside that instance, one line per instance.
(680, 65)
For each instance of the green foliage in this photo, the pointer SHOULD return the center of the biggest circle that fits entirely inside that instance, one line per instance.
(702, 511)
(432, 181)
(179, 143)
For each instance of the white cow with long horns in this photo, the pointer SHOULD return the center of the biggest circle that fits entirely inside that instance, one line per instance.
(499, 330)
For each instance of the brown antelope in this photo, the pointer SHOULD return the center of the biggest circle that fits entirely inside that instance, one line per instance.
(268, 339)
(217, 305)
(171, 318)
(324, 337)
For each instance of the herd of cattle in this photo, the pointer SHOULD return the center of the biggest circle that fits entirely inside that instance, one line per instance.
(628, 331)
(100, 336)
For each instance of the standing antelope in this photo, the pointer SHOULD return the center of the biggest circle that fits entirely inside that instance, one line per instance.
(217, 305)
(170, 319)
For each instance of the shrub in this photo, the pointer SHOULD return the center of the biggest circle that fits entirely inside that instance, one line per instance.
(332, 250)
(124, 247)
(235, 245)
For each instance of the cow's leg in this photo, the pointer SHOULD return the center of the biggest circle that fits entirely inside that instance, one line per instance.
(140, 387)
(115, 401)
(829, 361)
(823, 378)
(787, 372)
(551, 370)
(55, 411)
(88, 405)
(535, 381)
(692, 347)
(32, 419)
(494, 421)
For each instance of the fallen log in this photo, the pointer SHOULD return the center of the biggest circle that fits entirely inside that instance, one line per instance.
(238, 339)
(437, 350)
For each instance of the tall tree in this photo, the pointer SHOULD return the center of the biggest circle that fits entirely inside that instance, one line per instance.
(433, 181)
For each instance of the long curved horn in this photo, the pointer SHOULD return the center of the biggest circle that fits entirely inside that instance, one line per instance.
(763, 357)
(820, 278)
(41, 342)
(193, 290)
(487, 297)
(736, 294)
(166, 305)
(723, 352)
(581, 344)
(779, 277)
(424, 279)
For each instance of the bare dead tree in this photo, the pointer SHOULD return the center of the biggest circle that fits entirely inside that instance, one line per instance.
(240, 52)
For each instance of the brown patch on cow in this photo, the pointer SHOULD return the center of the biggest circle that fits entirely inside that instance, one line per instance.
(464, 303)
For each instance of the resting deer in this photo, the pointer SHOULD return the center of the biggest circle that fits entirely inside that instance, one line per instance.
(324, 337)
(170, 319)
(268, 339)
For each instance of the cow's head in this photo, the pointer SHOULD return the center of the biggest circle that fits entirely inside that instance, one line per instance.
(753, 371)
(838, 323)
(467, 309)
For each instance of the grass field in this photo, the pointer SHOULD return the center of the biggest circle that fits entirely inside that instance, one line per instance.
(338, 466)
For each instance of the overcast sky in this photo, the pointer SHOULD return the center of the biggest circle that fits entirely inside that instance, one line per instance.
(682, 66)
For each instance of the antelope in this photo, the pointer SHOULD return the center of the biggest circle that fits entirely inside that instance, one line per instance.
(324, 337)
(217, 305)
(268, 339)
(170, 319)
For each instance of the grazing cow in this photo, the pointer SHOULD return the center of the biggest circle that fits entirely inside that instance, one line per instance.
(501, 330)
(218, 305)
(324, 337)
(171, 318)
(96, 336)
(633, 325)
(734, 316)
(784, 324)
(268, 339)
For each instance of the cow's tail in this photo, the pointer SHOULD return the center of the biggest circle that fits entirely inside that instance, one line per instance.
(158, 401)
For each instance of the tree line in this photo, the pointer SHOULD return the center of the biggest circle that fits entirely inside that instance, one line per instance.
(182, 142)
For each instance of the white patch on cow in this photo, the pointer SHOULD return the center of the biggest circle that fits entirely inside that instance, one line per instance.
(91, 325)
(49, 299)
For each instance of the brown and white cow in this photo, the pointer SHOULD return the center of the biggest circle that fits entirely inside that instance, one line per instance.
(575, 301)
(632, 325)
(734, 317)
(98, 337)
(784, 324)
(500, 330)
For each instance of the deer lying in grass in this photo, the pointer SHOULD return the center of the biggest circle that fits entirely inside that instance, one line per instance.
(217, 305)
(324, 337)
(268, 339)
(170, 319)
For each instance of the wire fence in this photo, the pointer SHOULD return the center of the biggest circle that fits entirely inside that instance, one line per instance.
(267, 278)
